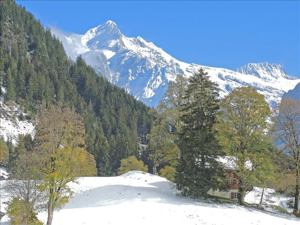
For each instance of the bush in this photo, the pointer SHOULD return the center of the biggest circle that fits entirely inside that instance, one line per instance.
(4, 153)
(280, 209)
(168, 172)
(285, 184)
(132, 163)
(297, 213)
(21, 213)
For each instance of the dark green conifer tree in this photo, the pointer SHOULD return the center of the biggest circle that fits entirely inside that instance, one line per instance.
(197, 170)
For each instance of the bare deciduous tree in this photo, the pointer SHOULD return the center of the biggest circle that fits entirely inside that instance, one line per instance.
(287, 134)
(24, 182)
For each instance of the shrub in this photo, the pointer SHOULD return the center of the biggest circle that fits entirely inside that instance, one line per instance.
(4, 153)
(280, 209)
(297, 213)
(168, 172)
(132, 163)
(21, 213)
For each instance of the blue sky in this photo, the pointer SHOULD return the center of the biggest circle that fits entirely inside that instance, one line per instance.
(216, 33)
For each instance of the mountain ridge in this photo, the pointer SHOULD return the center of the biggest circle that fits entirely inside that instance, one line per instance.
(145, 70)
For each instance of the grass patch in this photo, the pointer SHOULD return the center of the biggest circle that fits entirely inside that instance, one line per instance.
(279, 209)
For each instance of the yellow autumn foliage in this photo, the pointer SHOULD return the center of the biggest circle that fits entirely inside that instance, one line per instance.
(132, 163)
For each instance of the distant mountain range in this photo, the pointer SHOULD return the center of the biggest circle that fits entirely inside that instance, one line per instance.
(144, 70)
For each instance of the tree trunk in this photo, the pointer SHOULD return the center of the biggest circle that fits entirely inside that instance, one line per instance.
(155, 168)
(50, 213)
(261, 197)
(50, 207)
(296, 200)
(241, 195)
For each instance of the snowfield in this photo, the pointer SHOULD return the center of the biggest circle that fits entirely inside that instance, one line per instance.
(137, 198)
(270, 199)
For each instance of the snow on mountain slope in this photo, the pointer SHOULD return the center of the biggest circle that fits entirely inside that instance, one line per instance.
(140, 198)
(294, 93)
(13, 122)
(145, 70)
(265, 71)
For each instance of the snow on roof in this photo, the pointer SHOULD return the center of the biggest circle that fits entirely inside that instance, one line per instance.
(229, 162)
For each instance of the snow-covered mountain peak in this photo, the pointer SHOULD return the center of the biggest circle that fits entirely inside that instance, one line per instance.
(108, 28)
(101, 36)
(264, 70)
(145, 70)
(110, 23)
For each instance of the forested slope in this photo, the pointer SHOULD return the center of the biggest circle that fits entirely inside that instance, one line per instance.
(35, 70)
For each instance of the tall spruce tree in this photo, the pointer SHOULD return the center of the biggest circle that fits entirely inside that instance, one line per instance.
(198, 170)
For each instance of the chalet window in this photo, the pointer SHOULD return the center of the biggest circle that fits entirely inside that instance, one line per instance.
(233, 181)
(233, 195)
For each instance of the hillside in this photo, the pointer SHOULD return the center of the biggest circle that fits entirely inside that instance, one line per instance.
(35, 70)
(294, 93)
(139, 198)
(145, 70)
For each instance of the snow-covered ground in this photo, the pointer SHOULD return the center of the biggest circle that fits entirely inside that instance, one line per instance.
(137, 198)
(271, 199)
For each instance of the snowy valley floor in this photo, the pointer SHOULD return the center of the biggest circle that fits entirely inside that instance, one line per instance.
(138, 198)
